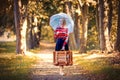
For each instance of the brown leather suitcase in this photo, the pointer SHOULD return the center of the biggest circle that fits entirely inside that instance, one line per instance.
(62, 58)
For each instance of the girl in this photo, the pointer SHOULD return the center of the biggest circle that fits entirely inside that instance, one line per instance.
(61, 36)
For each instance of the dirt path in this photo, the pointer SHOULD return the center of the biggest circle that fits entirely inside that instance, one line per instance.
(45, 70)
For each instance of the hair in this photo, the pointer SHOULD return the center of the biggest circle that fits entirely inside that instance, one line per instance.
(64, 22)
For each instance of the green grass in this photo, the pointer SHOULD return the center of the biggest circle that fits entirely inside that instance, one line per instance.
(7, 47)
(99, 67)
(12, 66)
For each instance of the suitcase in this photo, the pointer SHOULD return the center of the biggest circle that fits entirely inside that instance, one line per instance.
(62, 58)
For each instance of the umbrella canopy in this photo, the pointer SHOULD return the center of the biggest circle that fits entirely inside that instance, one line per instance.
(55, 21)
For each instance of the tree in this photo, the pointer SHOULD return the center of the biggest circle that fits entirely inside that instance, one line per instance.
(107, 26)
(104, 21)
(33, 36)
(17, 26)
(6, 16)
(77, 26)
(117, 43)
(21, 25)
(84, 28)
(110, 14)
(100, 27)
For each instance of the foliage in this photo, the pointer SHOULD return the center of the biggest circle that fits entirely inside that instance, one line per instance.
(44, 9)
(92, 42)
(47, 34)
(6, 15)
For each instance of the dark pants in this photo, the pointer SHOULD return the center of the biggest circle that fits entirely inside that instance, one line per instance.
(59, 44)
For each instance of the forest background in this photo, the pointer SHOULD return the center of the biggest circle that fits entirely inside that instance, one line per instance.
(96, 23)
(96, 31)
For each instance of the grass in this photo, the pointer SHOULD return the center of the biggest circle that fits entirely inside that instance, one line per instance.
(12, 66)
(100, 67)
(7, 47)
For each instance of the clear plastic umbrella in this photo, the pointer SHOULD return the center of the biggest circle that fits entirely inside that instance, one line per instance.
(55, 21)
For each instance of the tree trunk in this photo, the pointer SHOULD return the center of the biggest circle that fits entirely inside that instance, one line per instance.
(107, 30)
(117, 44)
(29, 34)
(21, 26)
(83, 41)
(33, 32)
(17, 26)
(97, 21)
(110, 14)
(77, 27)
(101, 29)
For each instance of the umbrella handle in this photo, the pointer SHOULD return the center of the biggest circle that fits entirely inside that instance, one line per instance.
(65, 42)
